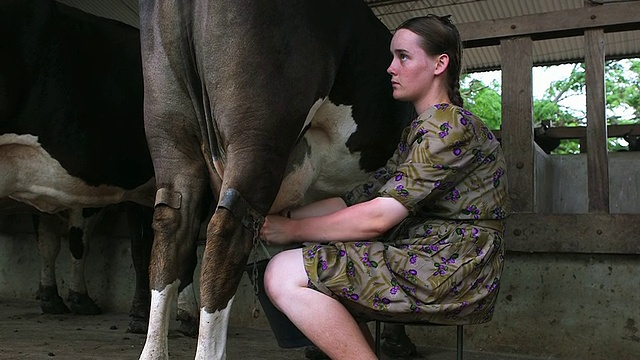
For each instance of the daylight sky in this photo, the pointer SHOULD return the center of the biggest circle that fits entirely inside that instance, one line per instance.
(542, 78)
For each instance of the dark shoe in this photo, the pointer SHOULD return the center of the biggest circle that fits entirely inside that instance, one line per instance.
(398, 347)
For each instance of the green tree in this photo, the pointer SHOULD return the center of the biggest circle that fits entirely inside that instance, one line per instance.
(483, 100)
(622, 91)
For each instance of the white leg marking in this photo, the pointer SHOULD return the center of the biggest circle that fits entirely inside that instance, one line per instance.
(157, 345)
(212, 336)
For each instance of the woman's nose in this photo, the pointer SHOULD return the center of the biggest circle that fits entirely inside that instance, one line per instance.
(390, 70)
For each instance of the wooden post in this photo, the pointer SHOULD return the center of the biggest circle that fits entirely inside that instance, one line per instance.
(517, 121)
(597, 154)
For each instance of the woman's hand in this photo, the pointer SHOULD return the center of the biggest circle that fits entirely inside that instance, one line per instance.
(275, 230)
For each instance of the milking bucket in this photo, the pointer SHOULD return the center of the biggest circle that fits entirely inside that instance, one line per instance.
(286, 333)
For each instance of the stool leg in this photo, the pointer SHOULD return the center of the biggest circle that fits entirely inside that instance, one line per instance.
(377, 349)
(459, 342)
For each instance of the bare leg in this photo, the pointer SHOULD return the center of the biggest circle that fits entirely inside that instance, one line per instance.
(325, 321)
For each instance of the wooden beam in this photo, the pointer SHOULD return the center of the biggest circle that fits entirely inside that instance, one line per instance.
(557, 24)
(597, 152)
(580, 132)
(574, 233)
(517, 121)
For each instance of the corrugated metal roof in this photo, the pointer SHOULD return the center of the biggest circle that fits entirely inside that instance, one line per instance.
(545, 52)
(121, 10)
(393, 12)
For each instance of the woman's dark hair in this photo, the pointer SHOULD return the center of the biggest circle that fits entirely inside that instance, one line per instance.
(440, 36)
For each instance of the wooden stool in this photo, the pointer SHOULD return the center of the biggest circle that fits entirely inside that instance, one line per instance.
(459, 338)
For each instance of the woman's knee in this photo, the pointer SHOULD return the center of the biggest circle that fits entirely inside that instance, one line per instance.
(284, 272)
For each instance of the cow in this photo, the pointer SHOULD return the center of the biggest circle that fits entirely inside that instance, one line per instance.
(71, 127)
(261, 105)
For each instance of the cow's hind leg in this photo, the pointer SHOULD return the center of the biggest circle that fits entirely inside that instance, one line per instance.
(81, 225)
(225, 257)
(47, 228)
(176, 221)
(141, 234)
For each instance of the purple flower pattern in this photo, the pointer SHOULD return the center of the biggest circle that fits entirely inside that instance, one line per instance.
(472, 210)
(403, 147)
(368, 262)
(402, 191)
(457, 151)
(453, 196)
(322, 265)
(442, 267)
(420, 135)
(349, 292)
(496, 177)
(444, 130)
(380, 303)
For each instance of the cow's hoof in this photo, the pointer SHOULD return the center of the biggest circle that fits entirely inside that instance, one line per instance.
(82, 304)
(138, 316)
(54, 305)
(398, 347)
(188, 324)
(312, 352)
(137, 325)
(50, 301)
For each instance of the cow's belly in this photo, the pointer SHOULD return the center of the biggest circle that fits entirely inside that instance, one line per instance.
(322, 165)
(29, 174)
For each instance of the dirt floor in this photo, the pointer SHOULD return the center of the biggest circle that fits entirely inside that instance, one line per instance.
(26, 333)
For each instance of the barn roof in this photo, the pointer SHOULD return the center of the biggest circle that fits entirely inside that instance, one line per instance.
(557, 26)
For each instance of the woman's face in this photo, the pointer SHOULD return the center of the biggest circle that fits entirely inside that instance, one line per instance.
(411, 70)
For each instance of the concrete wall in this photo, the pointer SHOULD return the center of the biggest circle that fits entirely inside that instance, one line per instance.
(560, 306)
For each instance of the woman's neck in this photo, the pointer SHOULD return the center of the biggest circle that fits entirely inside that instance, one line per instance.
(428, 102)
(435, 94)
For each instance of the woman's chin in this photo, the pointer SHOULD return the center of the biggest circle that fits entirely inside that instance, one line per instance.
(398, 95)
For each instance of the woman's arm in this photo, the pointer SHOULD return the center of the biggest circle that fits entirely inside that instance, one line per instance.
(318, 208)
(359, 222)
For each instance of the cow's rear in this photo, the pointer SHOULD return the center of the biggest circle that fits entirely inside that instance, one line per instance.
(242, 96)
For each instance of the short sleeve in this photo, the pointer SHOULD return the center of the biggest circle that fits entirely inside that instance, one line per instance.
(441, 154)
(370, 188)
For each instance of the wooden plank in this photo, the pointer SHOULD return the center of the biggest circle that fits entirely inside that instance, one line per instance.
(574, 233)
(597, 153)
(517, 121)
(556, 24)
(577, 132)
(580, 132)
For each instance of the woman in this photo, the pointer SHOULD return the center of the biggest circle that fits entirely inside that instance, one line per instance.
(422, 239)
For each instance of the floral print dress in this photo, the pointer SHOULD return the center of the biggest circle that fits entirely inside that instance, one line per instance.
(443, 263)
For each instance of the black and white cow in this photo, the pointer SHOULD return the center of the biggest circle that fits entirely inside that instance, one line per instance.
(264, 104)
(71, 129)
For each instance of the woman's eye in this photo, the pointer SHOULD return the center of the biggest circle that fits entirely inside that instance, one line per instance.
(403, 57)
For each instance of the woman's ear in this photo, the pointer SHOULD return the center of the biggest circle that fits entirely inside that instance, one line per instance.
(442, 63)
